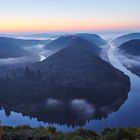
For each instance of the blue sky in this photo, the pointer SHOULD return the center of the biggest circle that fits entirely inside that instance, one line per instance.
(69, 15)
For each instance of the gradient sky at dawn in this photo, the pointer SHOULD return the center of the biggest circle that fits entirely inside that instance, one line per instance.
(68, 15)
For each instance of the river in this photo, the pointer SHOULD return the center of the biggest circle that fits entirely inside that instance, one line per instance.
(128, 114)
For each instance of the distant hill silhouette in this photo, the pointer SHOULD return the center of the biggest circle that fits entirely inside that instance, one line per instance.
(122, 39)
(132, 47)
(26, 43)
(96, 39)
(131, 50)
(45, 35)
(9, 49)
(65, 41)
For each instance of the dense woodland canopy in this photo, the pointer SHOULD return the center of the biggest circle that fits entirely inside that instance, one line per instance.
(74, 75)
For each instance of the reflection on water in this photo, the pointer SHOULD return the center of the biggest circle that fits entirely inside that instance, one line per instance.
(128, 115)
(79, 112)
(72, 113)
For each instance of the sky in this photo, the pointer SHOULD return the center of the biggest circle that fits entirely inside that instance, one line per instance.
(69, 15)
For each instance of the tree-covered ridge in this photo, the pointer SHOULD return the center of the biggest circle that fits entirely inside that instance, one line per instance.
(9, 49)
(68, 40)
(13, 48)
(130, 55)
(60, 84)
(125, 38)
(131, 47)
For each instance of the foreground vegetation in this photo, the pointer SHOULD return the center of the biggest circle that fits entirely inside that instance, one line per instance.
(50, 133)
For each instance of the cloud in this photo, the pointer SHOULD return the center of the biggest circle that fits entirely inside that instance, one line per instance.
(24, 59)
(35, 38)
(82, 106)
(39, 51)
(129, 60)
(103, 53)
(53, 102)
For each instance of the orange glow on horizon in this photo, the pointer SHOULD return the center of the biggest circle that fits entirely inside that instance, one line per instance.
(62, 25)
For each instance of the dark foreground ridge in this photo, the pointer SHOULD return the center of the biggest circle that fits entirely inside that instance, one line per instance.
(50, 133)
(71, 87)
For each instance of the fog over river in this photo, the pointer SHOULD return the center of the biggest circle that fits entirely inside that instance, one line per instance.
(126, 116)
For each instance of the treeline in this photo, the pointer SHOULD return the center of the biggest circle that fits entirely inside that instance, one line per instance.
(21, 85)
(50, 133)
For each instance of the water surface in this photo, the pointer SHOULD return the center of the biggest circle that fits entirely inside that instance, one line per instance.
(118, 115)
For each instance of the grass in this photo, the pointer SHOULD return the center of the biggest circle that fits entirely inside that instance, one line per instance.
(26, 132)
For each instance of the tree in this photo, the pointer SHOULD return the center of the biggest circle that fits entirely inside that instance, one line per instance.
(39, 75)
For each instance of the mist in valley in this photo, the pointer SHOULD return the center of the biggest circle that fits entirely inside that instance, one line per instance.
(72, 111)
